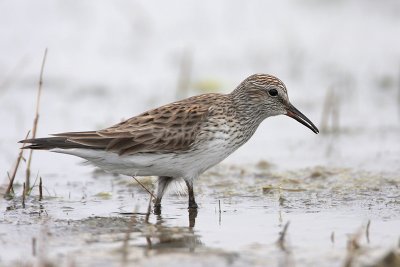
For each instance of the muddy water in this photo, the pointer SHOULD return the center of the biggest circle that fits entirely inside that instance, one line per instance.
(243, 210)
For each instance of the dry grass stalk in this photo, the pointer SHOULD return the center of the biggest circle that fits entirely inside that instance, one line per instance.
(282, 235)
(34, 247)
(269, 188)
(353, 247)
(35, 121)
(14, 172)
(335, 114)
(144, 187)
(149, 208)
(286, 258)
(333, 237)
(398, 93)
(367, 230)
(23, 196)
(219, 210)
(330, 110)
(40, 189)
(325, 111)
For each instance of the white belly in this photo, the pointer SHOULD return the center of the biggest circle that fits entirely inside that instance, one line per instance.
(186, 164)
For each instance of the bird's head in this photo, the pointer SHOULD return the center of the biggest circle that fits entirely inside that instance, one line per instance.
(264, 96)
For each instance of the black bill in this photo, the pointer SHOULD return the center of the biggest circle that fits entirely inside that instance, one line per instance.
(300, 117)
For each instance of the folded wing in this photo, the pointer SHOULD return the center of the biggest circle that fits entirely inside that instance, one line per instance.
(172, 127)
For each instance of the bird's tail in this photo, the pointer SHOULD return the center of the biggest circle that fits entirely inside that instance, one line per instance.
(51, 143)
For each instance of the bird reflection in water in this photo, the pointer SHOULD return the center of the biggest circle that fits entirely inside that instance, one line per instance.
(162, 238)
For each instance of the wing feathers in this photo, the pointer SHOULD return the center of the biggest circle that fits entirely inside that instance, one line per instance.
(172, 127)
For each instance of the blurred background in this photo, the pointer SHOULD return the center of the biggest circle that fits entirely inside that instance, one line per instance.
(111, 60)
(108, 61)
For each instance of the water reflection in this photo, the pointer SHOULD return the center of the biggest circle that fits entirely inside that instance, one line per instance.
(162, 238)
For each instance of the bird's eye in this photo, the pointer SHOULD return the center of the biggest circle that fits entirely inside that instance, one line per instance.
(272, 92)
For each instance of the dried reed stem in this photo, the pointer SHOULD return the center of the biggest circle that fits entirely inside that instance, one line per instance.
(282, 235)
(353, 246)
(149, 209)
(34, 247)
(23, 196)
(330, 110)
(35, 121)
(398, 93)
(219, 211)
(144, 187)
(325, 111)
(14, 172)
(367, 230)
(285, 257)
(40, 189)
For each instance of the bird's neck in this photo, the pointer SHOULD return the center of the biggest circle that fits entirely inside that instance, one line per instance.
(247, 113)
(249, 117)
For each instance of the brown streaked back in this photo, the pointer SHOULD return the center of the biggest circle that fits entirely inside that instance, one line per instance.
(171, 127)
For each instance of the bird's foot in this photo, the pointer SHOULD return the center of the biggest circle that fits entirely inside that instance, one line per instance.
(192, 217)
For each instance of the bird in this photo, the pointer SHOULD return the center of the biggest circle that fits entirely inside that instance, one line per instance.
(180, 140)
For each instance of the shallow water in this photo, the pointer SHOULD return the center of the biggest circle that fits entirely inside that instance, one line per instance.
(111, 60)
(91, 222)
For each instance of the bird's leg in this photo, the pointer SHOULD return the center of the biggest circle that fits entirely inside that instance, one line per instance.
(192, 201)
(192, 217)
(163, 182)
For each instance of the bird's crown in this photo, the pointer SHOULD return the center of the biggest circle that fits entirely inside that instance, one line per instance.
(265, 80)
